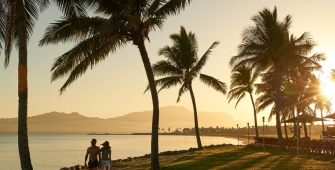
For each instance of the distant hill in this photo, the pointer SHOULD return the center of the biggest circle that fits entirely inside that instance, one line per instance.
(136, 122)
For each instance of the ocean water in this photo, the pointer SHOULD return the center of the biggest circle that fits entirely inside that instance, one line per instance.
(54, 151)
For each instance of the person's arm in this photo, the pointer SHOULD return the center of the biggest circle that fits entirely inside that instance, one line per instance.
(99, 157)
(86, 156)
(110, 156)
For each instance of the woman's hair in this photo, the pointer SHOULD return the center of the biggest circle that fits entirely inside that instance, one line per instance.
(106, 143)
(106, 147)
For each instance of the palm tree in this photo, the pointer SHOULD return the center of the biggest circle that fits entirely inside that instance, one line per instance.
(320, 101)
(182, 66)
(16, 25)
(116, 24)
(268, 44)
(242, 81)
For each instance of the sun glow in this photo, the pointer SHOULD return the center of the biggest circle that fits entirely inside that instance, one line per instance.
(328, 89)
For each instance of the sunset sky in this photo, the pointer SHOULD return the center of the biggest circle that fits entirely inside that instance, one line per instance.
(115, 86)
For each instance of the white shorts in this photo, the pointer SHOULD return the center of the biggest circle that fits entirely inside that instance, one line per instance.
(105, 163)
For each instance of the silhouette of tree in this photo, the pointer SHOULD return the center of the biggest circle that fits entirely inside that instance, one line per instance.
(16, 25)
(242, 81)
(182, 66)
(116, 24)
(269, 46)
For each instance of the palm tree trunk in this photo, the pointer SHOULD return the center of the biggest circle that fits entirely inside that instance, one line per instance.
(23, 89)
(277, 102)
(197, 134)
(305, 130)
(255, 116)
(155, 105)
(295, 124)
(323, 125)
(285, 128)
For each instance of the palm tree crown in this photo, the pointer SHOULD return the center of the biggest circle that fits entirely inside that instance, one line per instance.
(242, 81)
(182, 66)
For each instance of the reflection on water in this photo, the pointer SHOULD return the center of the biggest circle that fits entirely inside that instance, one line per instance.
(56, 151)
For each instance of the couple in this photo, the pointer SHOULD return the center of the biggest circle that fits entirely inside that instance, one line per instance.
(104, 154)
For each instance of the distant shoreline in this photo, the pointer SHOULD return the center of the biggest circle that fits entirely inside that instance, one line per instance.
(243, 138)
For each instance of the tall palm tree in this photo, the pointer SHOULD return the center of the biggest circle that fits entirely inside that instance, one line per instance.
(16, 25)
(182, 66)
(116, 23)
(268, 44)
(242, 81)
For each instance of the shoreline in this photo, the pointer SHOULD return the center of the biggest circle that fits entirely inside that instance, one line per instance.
(243, 138)
(138, 159)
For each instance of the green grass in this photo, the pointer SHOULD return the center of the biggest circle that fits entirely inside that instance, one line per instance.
(236, 157)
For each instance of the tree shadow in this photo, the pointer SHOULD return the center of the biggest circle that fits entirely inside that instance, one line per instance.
(250, 157)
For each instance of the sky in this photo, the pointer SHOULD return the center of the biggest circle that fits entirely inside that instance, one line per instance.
(115, 86)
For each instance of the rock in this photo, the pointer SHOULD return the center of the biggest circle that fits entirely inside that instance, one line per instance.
(77, 167)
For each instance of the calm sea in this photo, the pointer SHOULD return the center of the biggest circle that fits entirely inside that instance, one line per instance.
(57, 151)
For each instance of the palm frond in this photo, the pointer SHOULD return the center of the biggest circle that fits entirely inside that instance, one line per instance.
(204, 58)
(214, 83)
(169, 82)
(31, 11)
(239, 99)
(86, 54)
(182, 90)
(260, 107)
(166, 83)
(185, 47)
(264, 101)
(73, 8)
(236, 92)
(151, 24)
(166, 68)
(73, 29)
(171, 56)
(9, 28)
(171, 7)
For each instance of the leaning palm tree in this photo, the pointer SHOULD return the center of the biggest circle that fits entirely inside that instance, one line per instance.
(115, 24)
(242, 82)
(16, 25)
(182, 66)
(268, 44)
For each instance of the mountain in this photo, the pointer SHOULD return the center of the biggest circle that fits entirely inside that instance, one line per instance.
(136, 122)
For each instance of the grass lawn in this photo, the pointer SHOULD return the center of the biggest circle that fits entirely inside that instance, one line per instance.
(235, 157)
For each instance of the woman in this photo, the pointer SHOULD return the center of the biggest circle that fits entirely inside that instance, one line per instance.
(106, 156)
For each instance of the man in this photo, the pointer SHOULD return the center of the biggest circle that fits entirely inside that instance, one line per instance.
(94, 152)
